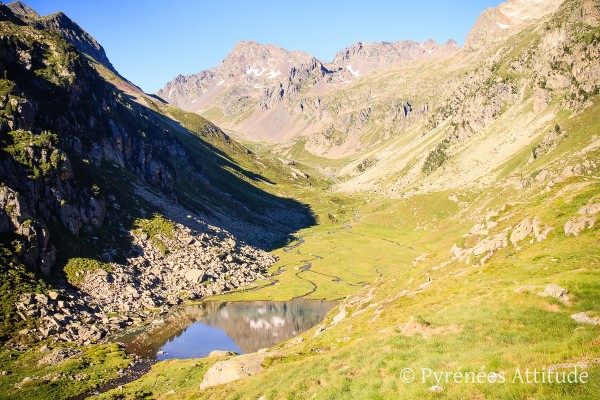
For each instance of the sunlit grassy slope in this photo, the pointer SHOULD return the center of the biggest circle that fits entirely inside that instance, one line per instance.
(468, 316)
(437, 313)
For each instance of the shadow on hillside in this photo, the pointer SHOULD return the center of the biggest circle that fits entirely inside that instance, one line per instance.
(204, 183)
(211, 182)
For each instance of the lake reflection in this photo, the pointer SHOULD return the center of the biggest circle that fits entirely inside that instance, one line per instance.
(243, 327)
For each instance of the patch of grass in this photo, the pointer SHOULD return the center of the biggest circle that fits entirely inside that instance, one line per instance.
(191, 121)
(77, 267)
(158, 228)
(26, 148)
(6, 87)
(96, 365)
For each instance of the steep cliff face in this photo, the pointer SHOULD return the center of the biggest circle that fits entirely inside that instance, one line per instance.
(35, 166)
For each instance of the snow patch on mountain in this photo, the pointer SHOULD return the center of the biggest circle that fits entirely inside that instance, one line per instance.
(355, 73)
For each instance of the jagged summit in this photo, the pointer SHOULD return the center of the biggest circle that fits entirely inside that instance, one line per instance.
(495, 24)
(363, 57)
(267, 61)
(250, 70)
(68, 28)
(23, 10)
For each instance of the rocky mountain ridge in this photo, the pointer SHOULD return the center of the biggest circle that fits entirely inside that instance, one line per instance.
(274, 82)
(326, 106)
(67, 28)
(363, 57)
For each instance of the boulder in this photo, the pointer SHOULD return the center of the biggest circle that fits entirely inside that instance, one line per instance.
(436, 389)
(541, 99)
(222, 353)
(490, 245)
(575, 225)
(538, 229)
(132, 291)
(233, 369)
(70, 218)
(194, 275)
(521, 231)
(478, 229)
(339, 316)
(584, 318)
(457, 252)
(553, 290)
(591, 209)
(186, 240)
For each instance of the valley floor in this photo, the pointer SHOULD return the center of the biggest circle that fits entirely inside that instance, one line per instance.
(411, 308)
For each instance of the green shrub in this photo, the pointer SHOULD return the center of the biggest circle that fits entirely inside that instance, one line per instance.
(76, 267)
(366, 164)
(158, 227)
(436, 158)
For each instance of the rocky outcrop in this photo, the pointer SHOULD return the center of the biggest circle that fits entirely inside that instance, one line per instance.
(584, 318)
(23, 10)
(197, 264)
(522, 230)
(233, 369)
(487, 245)
(585, 220)
(555, 291)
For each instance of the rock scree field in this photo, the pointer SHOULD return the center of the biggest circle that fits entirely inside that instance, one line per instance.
(442, 201)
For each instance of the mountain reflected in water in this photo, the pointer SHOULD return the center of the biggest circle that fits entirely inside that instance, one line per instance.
(243, 327)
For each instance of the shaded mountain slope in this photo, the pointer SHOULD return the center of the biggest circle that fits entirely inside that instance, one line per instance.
(94, 172)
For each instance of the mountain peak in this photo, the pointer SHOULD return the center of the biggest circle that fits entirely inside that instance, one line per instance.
(497, 23)
(253, 58)
(243, 45)
(430, 45)
(76, 36)
(23, 10)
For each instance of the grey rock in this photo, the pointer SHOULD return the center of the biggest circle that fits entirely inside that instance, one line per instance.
(553, 290)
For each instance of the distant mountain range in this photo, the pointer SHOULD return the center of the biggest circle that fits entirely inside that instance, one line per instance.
(264, 92)
(261, 79)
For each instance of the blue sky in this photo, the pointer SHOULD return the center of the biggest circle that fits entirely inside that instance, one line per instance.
(151, 41)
